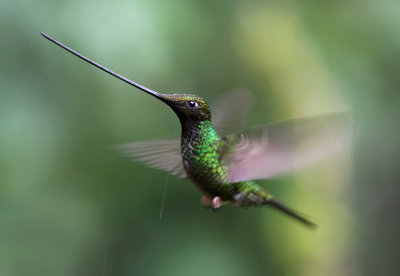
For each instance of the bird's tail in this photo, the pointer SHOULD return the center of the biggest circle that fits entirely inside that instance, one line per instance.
(273, 202)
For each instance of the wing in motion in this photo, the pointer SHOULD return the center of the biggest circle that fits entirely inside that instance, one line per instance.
(274, 149)
(163, 155)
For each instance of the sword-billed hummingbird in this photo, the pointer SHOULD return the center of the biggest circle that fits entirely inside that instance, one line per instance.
(224, 166)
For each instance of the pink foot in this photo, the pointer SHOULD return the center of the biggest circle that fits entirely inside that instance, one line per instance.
(206, 201)
(216, 202)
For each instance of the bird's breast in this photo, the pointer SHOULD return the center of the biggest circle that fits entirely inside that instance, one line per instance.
(204, 167)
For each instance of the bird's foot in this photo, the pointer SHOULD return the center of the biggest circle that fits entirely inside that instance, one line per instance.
(206, 201)
(214, 203)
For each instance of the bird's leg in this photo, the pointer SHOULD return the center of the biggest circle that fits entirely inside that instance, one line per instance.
(206, 201)
(216, 202)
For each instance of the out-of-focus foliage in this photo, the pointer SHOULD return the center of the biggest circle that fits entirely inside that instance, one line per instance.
(71, 206)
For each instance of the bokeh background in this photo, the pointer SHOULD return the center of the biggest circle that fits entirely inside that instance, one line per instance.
(71, 206)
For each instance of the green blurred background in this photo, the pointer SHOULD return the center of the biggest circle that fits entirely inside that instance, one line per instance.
(71, 206)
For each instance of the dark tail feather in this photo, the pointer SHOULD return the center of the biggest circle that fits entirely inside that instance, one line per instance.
(273, 202)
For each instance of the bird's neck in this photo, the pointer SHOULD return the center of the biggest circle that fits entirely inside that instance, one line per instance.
(196, 131)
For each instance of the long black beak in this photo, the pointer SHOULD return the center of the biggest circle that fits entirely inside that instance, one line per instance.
(135, 84)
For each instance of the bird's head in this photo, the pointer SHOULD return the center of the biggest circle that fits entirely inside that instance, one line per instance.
(186, 106)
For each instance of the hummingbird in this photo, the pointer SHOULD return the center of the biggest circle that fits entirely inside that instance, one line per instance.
(224, 165)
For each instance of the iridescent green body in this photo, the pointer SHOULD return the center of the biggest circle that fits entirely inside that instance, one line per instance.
(202, 149)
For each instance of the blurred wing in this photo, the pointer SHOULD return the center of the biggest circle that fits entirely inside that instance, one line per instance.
(268, 151)
(231, 109)
(164, 155)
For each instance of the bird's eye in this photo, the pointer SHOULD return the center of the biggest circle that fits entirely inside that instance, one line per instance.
(192, 104)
